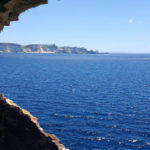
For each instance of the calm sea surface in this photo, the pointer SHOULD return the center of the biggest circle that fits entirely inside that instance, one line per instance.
(91, 102)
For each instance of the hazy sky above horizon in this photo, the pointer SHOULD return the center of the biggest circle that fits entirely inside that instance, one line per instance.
(104, 25)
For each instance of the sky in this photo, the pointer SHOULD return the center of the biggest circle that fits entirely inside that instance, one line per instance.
(106, 25)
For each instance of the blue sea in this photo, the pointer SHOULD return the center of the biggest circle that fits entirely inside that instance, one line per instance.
(91, 102)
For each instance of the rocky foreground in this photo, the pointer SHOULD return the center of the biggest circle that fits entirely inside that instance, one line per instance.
(42, 48)
(19, 130)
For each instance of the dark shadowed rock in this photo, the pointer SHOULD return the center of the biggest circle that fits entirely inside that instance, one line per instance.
(19, 130)
(11, 9)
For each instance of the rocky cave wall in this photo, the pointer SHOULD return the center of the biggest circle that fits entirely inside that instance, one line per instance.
(19, 130)
(11, 9)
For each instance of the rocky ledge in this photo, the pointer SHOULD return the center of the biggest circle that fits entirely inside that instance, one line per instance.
(19, 130)
(10, 9)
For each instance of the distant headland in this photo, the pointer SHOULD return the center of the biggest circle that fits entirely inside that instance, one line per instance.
(44, 48)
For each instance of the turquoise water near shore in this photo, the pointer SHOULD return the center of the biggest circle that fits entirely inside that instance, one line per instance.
(91, 102)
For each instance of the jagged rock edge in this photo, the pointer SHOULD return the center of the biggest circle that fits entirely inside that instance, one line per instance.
(11, 9)
(24, 113)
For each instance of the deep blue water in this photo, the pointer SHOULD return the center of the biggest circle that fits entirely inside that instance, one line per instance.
(91, 102)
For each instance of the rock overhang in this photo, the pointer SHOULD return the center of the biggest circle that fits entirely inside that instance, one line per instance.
(13, 118)
(11, 9)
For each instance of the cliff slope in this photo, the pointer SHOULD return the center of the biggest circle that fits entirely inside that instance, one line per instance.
(43, 48)
(19, 130)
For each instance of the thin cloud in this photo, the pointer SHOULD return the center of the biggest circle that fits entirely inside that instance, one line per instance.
(140, 22)
(131, 20)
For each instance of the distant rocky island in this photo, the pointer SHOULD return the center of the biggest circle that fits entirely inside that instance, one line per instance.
(43, 48)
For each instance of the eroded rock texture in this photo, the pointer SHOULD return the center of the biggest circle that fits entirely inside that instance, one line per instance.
(10, 9)
(19, 130)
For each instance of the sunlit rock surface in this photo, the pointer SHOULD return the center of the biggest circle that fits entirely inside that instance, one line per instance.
(42, 48)
(19, 130)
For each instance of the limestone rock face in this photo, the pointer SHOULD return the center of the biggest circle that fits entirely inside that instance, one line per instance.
(10, 9)
(19, 130)
(43, 48)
